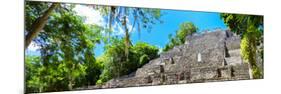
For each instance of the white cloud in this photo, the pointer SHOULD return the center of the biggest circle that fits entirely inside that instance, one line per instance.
(33, 47)
(95, 17)
(92, 16)
(119, 30)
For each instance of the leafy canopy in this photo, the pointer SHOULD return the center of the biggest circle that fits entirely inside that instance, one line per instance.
(185, 29)
(115, 63)
(250, 28)
(67, 51)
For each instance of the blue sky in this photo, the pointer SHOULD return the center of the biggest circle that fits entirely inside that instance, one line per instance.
(159, 33)
(172, 19)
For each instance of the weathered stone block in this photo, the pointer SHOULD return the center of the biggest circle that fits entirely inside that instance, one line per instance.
(204, 73)
(233, 43)
(171, 78)
(224, 72)
(241, 71)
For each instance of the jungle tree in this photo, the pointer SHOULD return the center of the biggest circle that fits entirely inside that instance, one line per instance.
(185, 29)
(66, 50)
(142, 17)
(250, 28)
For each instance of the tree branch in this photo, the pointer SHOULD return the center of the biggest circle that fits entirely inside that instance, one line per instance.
(38, 25)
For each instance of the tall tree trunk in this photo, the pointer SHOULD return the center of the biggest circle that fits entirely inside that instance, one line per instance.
(70, 76)
(70, 84)
(250, 71)
(127, 36)
(127, 44)
(38, 25)
(248, 49)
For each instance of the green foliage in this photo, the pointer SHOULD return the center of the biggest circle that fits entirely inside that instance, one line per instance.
(238, 23)
(67, 44)
(115, 63)
(143, 60)
(32, 11)
(257, 73)
(74, 48)
(186, 28)
(248, 45)
(33, 70)
(67, 56)
(250, 28)
(143, 52)
(249, 49)
(142, 17)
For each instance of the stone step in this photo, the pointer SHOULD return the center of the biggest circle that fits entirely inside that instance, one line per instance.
(233, 60)
(234, 57)
(234, 53)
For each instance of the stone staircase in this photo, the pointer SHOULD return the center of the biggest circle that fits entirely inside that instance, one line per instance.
(234, 57)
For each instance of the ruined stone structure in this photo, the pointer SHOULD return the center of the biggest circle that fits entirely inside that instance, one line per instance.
(207, 57)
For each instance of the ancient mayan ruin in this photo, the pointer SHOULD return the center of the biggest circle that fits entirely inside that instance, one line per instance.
(206, 57)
